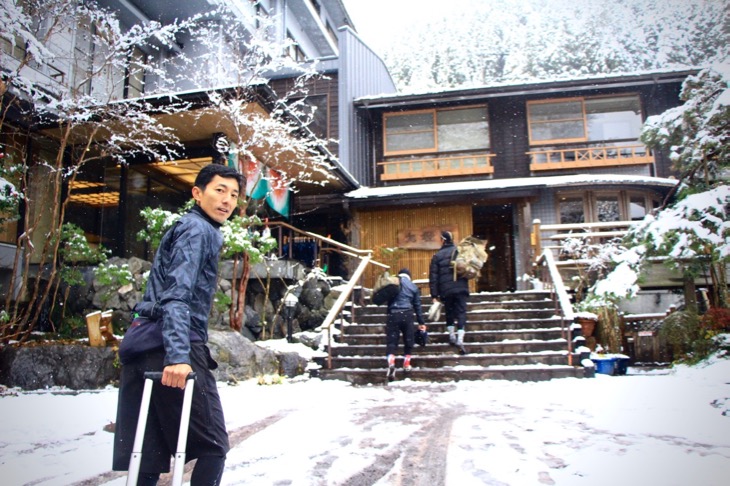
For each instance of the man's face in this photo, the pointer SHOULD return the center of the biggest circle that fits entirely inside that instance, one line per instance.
(219, 198)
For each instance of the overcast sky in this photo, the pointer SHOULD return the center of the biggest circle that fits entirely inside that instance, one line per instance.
(378, 21)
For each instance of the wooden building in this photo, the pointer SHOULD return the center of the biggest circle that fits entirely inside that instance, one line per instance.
(490, 161)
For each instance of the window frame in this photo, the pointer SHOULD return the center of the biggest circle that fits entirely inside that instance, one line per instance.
(553, 141)
(590, 203)
(325, 112)
(582, 99)
(135, 76)
(434, 129)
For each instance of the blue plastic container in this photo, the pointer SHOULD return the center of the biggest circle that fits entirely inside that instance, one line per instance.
(605, 366)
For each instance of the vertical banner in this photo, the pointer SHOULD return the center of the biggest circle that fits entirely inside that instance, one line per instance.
(279, 194)
(256, 185)
(262, 183)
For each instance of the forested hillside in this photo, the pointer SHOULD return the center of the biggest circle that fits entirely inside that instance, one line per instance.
(478, 42)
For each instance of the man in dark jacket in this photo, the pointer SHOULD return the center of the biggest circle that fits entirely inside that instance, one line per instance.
(400, 321)
(449, 289)
(179, 295)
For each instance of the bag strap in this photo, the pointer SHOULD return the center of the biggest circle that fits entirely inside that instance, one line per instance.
(452, 261)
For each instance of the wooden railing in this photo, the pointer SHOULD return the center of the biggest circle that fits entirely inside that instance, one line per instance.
(286, 234)
(553, 281)
(324, 244)
(339, 305)
(551, 236)
(437, 167)
(575, 158)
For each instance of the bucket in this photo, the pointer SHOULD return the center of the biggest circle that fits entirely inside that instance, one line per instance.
(605, 366)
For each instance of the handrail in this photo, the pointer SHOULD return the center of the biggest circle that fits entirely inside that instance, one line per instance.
(586, 226)
(557, 281)
(366, 258)
(340, 304)
(563, 300)
(479, 163)
(541, 240)
(345, 249)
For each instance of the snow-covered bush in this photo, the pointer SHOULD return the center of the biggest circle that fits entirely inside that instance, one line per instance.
(157, 222)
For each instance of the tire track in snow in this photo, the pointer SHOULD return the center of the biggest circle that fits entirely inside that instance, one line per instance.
(235, 437)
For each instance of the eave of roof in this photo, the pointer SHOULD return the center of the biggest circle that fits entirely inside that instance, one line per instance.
(502, 185)
(498, 90)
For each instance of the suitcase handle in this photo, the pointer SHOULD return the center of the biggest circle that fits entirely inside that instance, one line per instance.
(136, 457)
(157, 375)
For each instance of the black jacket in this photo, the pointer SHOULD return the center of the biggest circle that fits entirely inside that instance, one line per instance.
(182, 282)
(441, 275)
(408, 298)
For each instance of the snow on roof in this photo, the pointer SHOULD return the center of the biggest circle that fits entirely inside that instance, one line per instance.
(496, 184)
(533, 83)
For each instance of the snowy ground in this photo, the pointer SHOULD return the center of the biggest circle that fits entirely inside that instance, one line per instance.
(670, 427)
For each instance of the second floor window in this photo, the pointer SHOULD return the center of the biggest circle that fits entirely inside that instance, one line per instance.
(135, 74)
(429, 131)
(293, 50)
(584, 120)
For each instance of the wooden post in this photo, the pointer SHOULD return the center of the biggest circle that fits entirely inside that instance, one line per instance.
(106, 328)
(93, 321)
(536, 240)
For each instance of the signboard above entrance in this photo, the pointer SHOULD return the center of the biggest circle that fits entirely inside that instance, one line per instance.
(428, 238)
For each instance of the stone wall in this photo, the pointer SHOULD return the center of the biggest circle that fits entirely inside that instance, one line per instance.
(82, 367)
(264, 315)
(79, 366)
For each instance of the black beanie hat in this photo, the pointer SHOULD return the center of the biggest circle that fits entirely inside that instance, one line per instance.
(404, 270)
(447, 236)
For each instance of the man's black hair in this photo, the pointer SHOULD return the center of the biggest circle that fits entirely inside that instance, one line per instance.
(208, 172)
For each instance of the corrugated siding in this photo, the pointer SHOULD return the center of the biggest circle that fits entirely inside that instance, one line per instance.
(361, 73)
(377, 228)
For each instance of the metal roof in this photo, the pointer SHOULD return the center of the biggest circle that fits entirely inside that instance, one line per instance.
(524, 88)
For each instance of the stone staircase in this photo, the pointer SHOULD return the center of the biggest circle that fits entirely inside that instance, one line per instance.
(510, 336)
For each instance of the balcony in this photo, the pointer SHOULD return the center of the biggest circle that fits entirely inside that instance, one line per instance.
(587, 157)
(437, 167)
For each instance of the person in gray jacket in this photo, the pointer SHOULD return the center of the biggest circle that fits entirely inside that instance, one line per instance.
(401, 309)
(177, 300)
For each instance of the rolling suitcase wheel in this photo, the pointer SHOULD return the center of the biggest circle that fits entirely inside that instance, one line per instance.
(179, 463)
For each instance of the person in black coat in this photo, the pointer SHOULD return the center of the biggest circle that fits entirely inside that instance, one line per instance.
(449, 289)
(400, 321)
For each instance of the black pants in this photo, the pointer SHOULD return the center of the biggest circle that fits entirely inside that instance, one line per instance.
(399, 322)
(455, 310)
(207, 435)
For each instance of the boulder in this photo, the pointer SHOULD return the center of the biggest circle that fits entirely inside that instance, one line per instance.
(313, 293)
(291, 364)
(238, 358)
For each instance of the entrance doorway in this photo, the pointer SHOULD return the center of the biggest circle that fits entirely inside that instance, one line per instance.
(494, 224)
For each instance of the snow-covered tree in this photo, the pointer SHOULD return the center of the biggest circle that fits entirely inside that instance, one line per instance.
(275, 150)
(86, 118)
(692, 229)
(83, 118)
